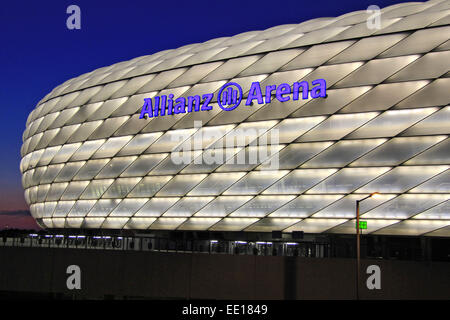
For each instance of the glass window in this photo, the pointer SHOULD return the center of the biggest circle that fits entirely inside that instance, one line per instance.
(261, 206)
(69, 170)
(216, 183)
(63, 208)
(315, 225)
(86, 150)
(139, 143)
(56, 190)
(187, 206)
(233, 224)
(142, 165)
(104, 207)
(305, 205)
(397, 150)
(337, 126)
(390, 123)
(121, 187)
(90, 169)
(74, 190)
(96, 188)
(181, 185)
(255, 182)
(401, 179)
(111, 147)
(299, 181)
(115, 167)
(269, 224)
(167, 223)
(148, 186)
(198, 223)
(348, 179)
(155, 207)
(342, 153)
(81, 208)
(222, 206)
(128, 207)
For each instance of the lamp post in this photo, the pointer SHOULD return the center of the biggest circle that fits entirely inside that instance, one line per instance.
(358, 255)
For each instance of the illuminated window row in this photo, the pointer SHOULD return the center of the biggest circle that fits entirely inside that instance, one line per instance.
(415, 179)
(400, 207)
(311, 225)
(352, 126)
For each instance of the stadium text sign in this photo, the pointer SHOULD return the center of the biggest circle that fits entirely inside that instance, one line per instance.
(230, 96)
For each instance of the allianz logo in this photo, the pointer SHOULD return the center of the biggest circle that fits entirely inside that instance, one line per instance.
(230, 97)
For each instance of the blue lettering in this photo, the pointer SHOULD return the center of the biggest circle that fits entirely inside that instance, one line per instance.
(180, 106)
(320, 90)
(191, 100)
(254, 93)
(297, 86)
(156, 107)
(162, 105)
(206, 100)
(170, 104)
(283, 88)
(269, 90)
(147, 108)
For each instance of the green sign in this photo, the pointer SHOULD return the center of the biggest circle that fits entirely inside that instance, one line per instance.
(363, 224)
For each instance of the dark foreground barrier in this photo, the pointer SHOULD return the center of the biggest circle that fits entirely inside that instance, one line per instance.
(86, 274)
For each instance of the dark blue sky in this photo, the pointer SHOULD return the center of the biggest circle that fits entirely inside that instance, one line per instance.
(38, 52)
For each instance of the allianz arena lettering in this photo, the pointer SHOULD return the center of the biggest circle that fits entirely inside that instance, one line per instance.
(166, 105)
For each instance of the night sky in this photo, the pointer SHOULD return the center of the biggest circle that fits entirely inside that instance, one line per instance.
(38, 52)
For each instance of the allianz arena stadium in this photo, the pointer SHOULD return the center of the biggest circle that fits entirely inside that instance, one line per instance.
(119, 147)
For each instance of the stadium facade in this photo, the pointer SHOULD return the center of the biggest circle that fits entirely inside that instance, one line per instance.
(96, 156)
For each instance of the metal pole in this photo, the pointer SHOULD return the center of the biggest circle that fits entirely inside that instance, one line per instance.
(357, 250)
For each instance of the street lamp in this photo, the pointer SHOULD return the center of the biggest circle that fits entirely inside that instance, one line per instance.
(358, 256)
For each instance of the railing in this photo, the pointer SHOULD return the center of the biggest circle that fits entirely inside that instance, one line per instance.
(158, 244)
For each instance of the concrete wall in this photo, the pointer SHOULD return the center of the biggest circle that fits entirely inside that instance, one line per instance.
(203, 276)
